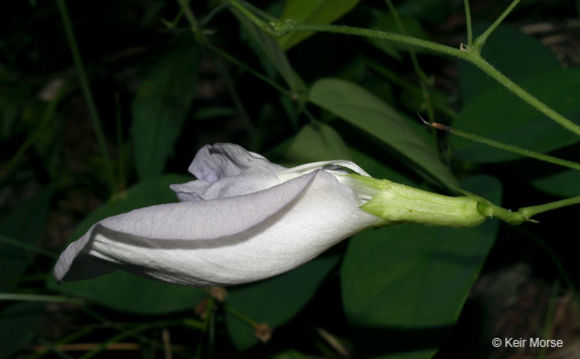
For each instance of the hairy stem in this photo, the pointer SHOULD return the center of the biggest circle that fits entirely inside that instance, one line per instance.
(481, 39)
(504, 146)
(468, 23)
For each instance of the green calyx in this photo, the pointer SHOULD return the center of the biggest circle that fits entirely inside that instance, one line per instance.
(397, 203)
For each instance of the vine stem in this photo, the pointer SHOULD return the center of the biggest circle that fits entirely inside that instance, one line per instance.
(523, 214)
(534, 210)
(93, 113)
(40, 298)
(503, 146)
(470, 54)
(468, 22)
(481, 39)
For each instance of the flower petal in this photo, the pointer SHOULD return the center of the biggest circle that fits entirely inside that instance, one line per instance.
(223, 241)
(226, 170)
(220, 160)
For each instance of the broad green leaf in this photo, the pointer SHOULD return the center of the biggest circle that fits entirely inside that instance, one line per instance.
(121, 290)
(364, 110)
(320, 142)
(564, 184)
(24, 224)
(500, 115)
(512, 52)
(276, 300)
(160, 106)
(269, 49)
(318, 12)
(317, 142)
(404, 286)
(18, 325)
(385, 21)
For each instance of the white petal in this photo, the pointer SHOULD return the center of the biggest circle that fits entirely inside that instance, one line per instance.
(332, 167)
(220, 160)
(226, 170)
(223, 241)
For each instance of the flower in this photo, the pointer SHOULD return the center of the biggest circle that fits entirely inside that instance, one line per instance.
(242, 220)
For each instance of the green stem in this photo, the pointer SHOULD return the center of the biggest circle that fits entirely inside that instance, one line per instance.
(523, 94)
(403, 31)
(423, 78)
(553, 256)
(40, 298)
(534, 210)
(524, 214)
(93, 113)
(250, 15)
(548, 320)
(481, 39)
(403, 39)
(468, 23)
(27, 247)
(396, 79)
(506, 147)
(46, 116)
(279, 29)
(245, 67)
(192, 20)
(120, 144)
(240, 316)
(238, 103)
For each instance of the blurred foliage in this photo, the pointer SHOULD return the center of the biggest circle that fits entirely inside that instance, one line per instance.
(163, 91)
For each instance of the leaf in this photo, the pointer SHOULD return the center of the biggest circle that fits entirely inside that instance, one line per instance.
(364, 110)
(121, 290)
(18, 325)
(404, 286)
(317, 12)
(499, 115)
(276, 300)
(512, 52)
(564, 184)
(270, 49)
(25, 225)
(320, 142)
(317, 142)
(160, 107)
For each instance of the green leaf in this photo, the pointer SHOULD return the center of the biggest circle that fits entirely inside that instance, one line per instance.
(317, 142)
(320, 142)
(276, 300)
(564, 184)
(269, 49)
(404, 286)
(121, 290)
(512, 52)
(160, 107)
(500, 115)
(18, 325)
(318, 12)
(364, 110)
(25, 225)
